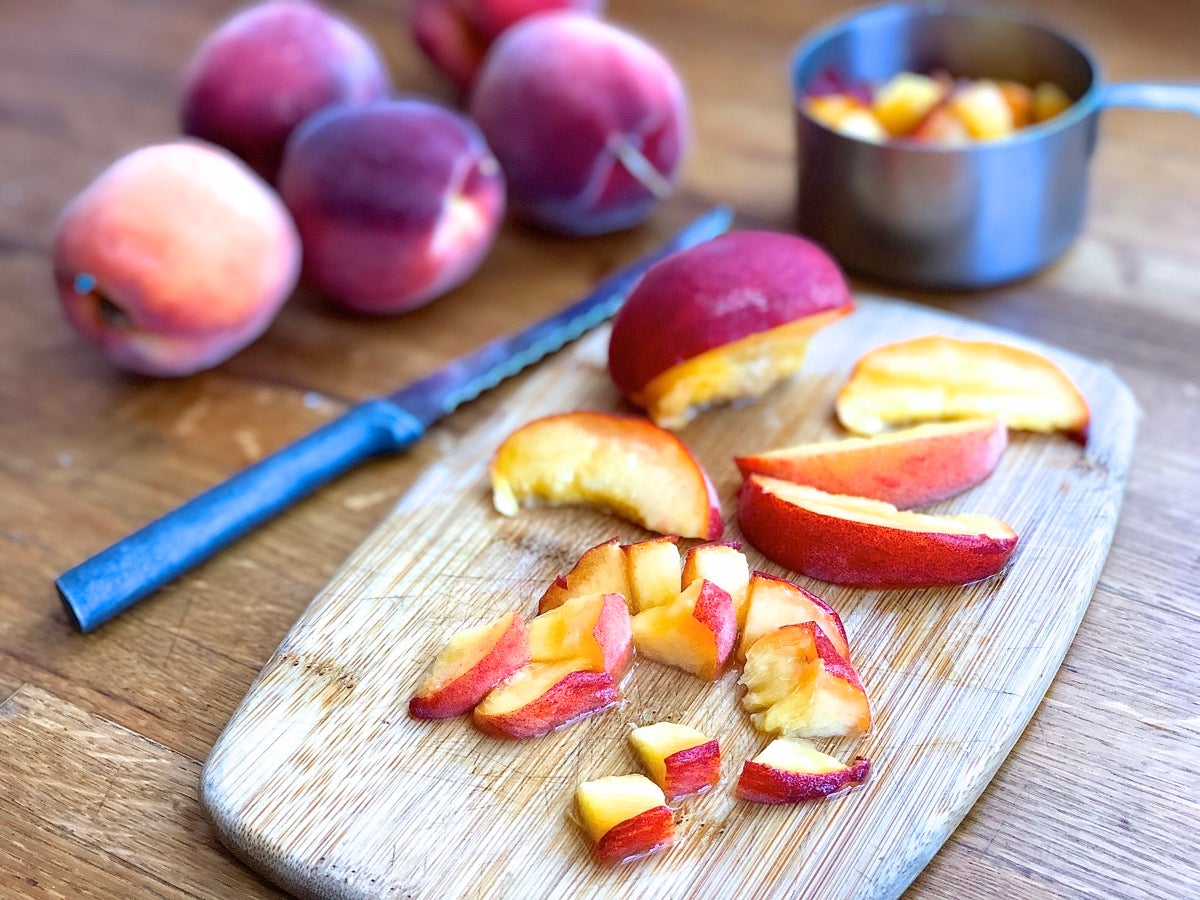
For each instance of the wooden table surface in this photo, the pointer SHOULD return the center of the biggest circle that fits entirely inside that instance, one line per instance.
(102, 736)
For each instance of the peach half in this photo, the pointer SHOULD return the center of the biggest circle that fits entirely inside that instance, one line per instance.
(907, 468)
(775, 602)
(680, 759)
(727, 319)
(794, 771)
(868, 543)
(622, 464)
(472, 663)
(936, 377)
(625, 816)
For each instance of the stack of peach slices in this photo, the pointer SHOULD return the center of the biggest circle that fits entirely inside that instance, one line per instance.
(732, 318)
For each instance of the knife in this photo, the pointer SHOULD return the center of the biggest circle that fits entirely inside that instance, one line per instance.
(114, 579)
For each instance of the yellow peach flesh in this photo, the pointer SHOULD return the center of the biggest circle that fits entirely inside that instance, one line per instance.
(793, 755)
(606, 802)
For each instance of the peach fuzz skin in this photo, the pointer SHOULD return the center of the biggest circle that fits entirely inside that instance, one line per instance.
(588, 121)
(456, 34)
(397, 202)
(470, 667)
(174, 258)
(267, 68)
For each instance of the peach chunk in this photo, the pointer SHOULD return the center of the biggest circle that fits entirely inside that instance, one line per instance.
(906, 99)
(680, 759)
(541, 697)
(618, 463)
(794, 771)
(868, 543)
(176, 257)
(797, 685)
(594, 629)
(694, 633)
(775, 602)
(269, 67)
(937, 377)
(472, 663)
(654, 570)
(911, 467)
(727, 319)
(588, 121)
(397, 202)
(456, 34)
(625, 816)
(600, 570)
(724, 565)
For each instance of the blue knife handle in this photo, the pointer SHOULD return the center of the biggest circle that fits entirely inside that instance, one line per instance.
(116, 578)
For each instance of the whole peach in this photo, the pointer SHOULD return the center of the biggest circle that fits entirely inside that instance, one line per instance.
(396, 201)
(174, 258)
(269, 67)
(455, 34)
(588, 122)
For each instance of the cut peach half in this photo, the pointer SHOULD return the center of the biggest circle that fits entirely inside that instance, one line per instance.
(695, 633)
(471, 664)
(593, 629)
(911, 467)
(868, 543)
(541, 697)
(794, 771)
(625, 816)
(798, 686)
(937, 377)
(775, 602)
(621, 464)
(725, 565)
(679, 759)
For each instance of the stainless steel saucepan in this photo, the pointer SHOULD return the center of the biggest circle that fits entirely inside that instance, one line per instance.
(954, 217)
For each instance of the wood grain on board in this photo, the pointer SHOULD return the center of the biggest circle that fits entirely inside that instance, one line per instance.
(322, 782)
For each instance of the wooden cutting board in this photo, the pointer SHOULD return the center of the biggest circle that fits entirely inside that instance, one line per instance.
(323, 783)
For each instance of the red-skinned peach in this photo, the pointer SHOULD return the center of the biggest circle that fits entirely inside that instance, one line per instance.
(588, 121)
(594, 628)
(679, 759)
(793, 771)
(868, 543)
(397, 202)
(625, 816)
(695, 633)
(774, 602)
(541, 697)
(724, 320)
(174, 258)
(601, 569)
(472, 663)
(269, 67)
(725, 565)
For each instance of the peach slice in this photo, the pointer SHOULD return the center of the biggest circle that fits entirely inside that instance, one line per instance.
(936, 377)
(792, 771)
(593, 629)
(619, 463)
(775, 602)
(626, 817)
(724, 320)
(798, 686)
(541, 697)
(600, 570)
(868, 543)
(725, 566)
(694, 633)
(653, 568)
(680, 759)
(472, 663)
(907, 468)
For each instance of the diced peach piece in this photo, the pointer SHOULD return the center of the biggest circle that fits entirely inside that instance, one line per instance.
(625, 816)
(911, 467)
(619, 463)
(472, 663)
(680, 759)
(1019, 98)
(846, 115)
(941, 128)
(1048, 101)
(868, 543)
(799, 686)
(540, 697)
(936, 377)
(905, 100)
(983, 109)
(794, 771)
(695, 633)
(725, 566)
(600, 570)
(775, 602)
(653, 568)
(593, 628)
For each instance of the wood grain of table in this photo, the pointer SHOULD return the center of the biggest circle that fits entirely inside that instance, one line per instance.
(102, 736)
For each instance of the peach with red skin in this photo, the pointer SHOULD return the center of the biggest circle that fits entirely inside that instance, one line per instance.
(470, 667)
(678, 758)
(542, 697)
(625, 816)
(594, 628)
(589, 122)
(269, 67)
(601, 569)
(174, 258)
(780, 774)
(695, 633)
(774, 602)
(456, 34)
(724, 565)
(738, 309)
(397, 202)
(645, 833)
(907, 468)
(867, 543)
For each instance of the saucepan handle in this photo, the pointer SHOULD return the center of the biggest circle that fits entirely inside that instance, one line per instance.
(1173, 97)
